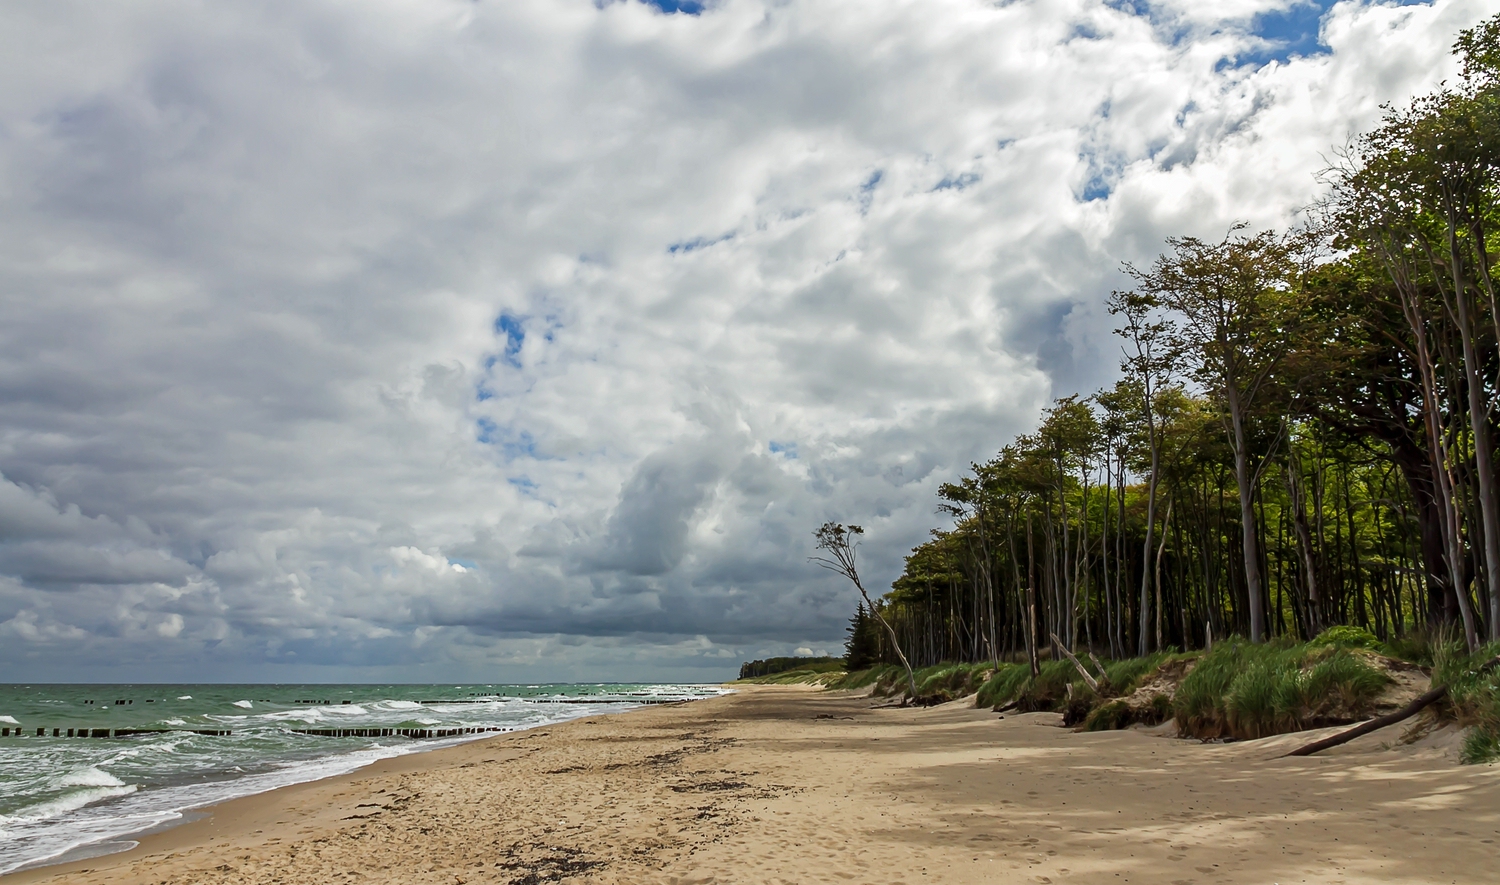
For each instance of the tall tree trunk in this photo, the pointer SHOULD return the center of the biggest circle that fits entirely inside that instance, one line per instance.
(1254, 587)
(1484, 472)
(1145, 609)
(1441, 476)
(1305, 548)
(1031, 599)
(1165, 525)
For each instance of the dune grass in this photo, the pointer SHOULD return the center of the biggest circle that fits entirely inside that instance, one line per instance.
(1243, 690)
(864, 678)
(1003, 685)
(1238, 690)
(806, 676)
(1473, 697)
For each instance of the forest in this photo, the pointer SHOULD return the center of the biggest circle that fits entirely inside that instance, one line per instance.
(1302, 437)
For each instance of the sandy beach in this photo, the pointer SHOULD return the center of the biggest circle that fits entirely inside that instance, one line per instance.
(792, 785)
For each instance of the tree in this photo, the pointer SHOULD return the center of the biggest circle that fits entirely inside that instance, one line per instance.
(1147, 367)
(841, 543)
(862, 648)
(1237, 315)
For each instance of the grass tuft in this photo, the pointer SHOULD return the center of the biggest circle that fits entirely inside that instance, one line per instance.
(1248, 691)
(1003, 686)
(1347, 636)
(864, 678)
(1473, 696)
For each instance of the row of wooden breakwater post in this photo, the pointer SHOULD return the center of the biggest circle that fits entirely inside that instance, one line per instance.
(416, 733)
(115, 732)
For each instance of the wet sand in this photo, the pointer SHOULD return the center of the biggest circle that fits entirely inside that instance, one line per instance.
(791, 785)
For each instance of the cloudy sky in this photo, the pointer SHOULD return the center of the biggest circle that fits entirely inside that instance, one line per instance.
(530, 339)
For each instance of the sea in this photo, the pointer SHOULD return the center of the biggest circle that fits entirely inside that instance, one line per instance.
(66, 797)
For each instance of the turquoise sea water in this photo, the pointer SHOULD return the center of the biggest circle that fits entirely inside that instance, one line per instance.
(59, 794)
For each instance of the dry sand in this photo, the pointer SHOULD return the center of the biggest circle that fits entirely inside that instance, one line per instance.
(788, 785)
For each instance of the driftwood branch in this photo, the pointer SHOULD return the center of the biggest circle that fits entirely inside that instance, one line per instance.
(1364, 728)
(1092, 683)
(1103, 674)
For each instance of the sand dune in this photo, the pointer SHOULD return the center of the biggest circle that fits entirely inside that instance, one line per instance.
(788, 785)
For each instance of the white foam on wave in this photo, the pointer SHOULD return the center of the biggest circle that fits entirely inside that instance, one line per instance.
(88, 777)
(184, 697)
(310, 714)
(9, 720)
(61, 805)
(245, 704)
(348, 710)
(399, 705)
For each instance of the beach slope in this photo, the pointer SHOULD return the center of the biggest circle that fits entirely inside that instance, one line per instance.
(791, 785)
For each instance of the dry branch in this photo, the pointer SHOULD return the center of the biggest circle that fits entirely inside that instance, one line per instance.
(1094, 685)
(1380, 722)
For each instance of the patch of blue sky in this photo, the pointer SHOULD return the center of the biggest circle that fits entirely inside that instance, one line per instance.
(1293, 31)
(509, 326)
(510, 444)
(787, 449)
(1083, 31)
(958, 182)
(523, 483)
(1103, 175)
(696, 243)
(522, 445)
(687, 7)
(867, 190)
(1287, 33)
(1096, 188)
(1168, 26)
(465, 563)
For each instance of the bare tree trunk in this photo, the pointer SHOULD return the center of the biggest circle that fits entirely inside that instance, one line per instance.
(1109, 600)
(1145, 612)
(1305, 546)
(1031, 599)
(1438, 446)
(1254, 588)
(1484, 472)
(1165, 523)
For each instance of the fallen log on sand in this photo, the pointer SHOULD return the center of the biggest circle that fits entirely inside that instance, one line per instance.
(1364, 728)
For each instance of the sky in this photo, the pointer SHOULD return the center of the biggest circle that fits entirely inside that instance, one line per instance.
(529, 340)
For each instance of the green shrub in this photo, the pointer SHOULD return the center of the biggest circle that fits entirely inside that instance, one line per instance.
(1347, 636)
(773, 666)
(1109, 716)
(1077, 707)
(1003, 686)
(1481, 745)
(1474, 697)
(1255, 702)
(796, 677)
(1117, 714)
(1049, 689)
(1199, 702)
(1126, 675)
(866, 678)
(1250, 691)
(1415, 646)
(1347, 680)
